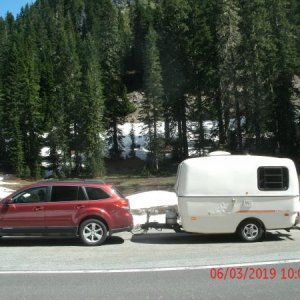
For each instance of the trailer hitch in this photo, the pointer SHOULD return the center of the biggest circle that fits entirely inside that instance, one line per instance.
(295, 227)
(143, 228)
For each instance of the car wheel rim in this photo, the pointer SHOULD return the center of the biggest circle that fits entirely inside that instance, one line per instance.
(251, 231)
(93, 232)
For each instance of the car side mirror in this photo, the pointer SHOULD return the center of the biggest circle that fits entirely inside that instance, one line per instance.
(7, 202)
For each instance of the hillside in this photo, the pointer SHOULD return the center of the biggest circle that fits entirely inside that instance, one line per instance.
(192, 76)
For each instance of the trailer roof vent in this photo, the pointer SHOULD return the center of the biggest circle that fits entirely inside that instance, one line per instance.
(218, 153)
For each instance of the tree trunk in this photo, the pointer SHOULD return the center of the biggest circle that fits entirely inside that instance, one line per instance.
(201, 128)
(155, 152)
(220, 118)
(116, 151)
(184, 131)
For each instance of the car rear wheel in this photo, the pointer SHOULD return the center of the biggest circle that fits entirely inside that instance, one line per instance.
(251, 231)
(93, 232)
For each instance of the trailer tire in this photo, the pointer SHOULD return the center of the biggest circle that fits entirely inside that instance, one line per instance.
(251, 231)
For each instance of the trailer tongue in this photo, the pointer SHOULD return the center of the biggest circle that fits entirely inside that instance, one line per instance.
(149, 210)
(171, 221)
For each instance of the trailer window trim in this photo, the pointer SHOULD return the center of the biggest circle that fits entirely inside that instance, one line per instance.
(271, 178)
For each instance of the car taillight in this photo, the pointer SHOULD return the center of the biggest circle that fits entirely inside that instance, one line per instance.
(123, 203)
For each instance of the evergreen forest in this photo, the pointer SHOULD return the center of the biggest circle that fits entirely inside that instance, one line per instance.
(68, 69)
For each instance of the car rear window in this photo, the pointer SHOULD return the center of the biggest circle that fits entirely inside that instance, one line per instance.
(96, 193)
(64, 193)
(117, 191)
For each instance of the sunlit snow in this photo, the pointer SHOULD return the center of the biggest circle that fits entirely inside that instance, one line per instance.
(153, 202)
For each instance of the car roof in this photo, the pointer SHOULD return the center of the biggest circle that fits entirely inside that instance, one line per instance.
(64, 182)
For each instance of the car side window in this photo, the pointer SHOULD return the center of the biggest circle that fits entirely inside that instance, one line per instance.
(64, 193)
(67, 193)
(81, 194)
(33, 195)
(96, 193)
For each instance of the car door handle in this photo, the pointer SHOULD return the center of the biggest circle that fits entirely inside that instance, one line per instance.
(38, 208)
(79, 206)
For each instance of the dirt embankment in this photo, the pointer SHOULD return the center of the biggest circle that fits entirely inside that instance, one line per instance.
(132, 185)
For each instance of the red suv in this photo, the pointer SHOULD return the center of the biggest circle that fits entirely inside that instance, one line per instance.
(89, 209)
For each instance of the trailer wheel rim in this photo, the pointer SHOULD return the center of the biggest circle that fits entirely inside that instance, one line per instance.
(251, 231)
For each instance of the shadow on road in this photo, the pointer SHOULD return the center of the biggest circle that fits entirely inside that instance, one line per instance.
(185, 238)
(52, 241)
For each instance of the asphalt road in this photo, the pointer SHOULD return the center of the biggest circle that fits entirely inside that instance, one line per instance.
(158, 265)
(154, 250)
(189, 284)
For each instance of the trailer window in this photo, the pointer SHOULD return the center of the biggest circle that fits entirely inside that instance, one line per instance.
(272, 178)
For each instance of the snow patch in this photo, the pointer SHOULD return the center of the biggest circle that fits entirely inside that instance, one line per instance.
(155, 202)
(4, 192)
(140, 131)
(152, 199)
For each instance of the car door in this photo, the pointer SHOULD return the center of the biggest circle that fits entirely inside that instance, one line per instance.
(25, 213)
(64, 204)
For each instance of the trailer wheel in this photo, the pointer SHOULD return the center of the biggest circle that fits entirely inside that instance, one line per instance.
(251, 231)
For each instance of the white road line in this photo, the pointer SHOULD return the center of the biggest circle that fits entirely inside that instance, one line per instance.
(278, 262)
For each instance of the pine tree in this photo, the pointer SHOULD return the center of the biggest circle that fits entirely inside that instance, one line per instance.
(281, 75)
(257, 58)
(72, 94)
(117, 104)
(141, 16)
(173, 29)
(2, 116)
(12, 108)
(56, 78)
(92, 110)
(200, 65)
(153, 94)
(31, 115)
(228, 43)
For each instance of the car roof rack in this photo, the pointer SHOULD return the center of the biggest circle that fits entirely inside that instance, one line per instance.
(86, 180)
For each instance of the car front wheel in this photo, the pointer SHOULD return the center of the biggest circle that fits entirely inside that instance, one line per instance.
(93, 232)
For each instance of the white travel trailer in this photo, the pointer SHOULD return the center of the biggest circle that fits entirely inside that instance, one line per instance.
(224, 193)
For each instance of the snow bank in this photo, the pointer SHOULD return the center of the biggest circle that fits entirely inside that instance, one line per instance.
(154, 202)
(152, 199)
